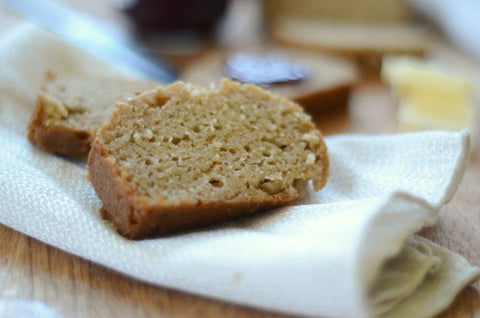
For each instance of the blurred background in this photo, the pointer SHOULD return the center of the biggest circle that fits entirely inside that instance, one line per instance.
(337, 46)
(184, 28)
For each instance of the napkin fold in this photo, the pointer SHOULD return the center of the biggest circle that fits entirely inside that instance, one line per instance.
(349, 250)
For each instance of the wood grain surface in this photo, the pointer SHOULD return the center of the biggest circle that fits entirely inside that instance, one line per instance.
(39, 280)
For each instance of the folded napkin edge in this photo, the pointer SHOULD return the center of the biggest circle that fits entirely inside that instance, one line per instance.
(383, 222)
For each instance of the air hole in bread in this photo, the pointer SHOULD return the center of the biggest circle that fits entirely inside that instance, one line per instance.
(196, 129)
(217, 183)
(176, 140)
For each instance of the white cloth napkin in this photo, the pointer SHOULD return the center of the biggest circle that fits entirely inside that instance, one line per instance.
(347, 251)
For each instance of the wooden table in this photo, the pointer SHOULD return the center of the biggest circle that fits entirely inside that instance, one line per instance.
(40, 278)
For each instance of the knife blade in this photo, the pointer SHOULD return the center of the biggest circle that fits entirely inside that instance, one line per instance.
(94, 37)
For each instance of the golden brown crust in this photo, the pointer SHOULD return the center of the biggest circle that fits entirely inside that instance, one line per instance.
(135, 218)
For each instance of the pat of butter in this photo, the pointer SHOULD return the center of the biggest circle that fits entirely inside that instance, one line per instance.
(430, 97)
(408, 75)
(412, 118)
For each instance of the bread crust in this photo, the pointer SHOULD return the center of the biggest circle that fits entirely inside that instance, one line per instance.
(137, 218)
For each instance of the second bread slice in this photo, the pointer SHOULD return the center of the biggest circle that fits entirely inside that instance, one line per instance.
(70, 110)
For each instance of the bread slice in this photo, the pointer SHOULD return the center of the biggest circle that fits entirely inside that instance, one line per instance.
(70, 110)
(183, 157)
(364, 44)
(327, 83)
(363, 31)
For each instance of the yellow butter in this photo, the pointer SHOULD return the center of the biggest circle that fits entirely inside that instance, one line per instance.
(408, 76)
(453, 109)
(430, 96)
(412, 118)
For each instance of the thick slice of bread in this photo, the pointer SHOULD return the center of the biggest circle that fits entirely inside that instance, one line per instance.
(70, 110)
(183, 157)
(327, 84)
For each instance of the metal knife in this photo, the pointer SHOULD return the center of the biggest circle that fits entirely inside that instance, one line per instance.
(94, 37)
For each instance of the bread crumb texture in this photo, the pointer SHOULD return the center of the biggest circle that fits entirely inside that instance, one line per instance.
(184, 146)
